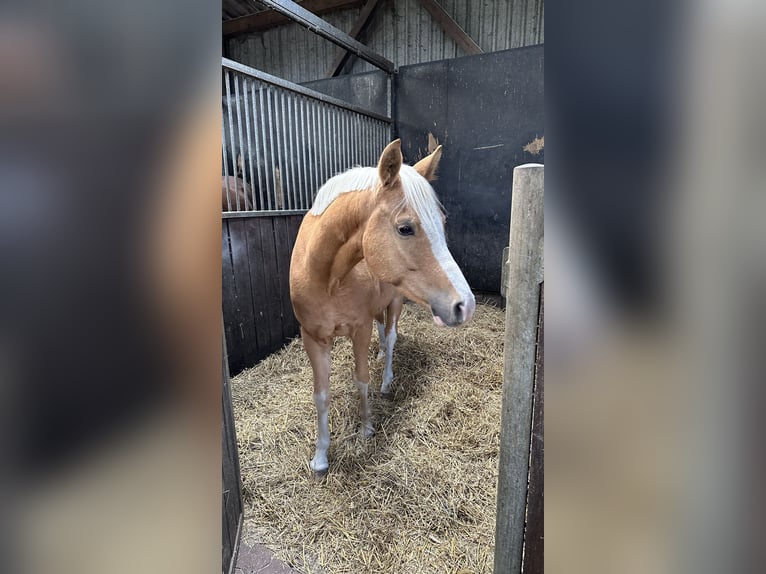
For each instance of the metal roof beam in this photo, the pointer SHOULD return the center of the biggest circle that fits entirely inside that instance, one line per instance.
(365, 16)
(314, 23)
(451, 27)
(266, 19)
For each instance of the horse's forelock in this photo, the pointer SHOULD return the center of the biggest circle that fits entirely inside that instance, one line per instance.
(421, 198)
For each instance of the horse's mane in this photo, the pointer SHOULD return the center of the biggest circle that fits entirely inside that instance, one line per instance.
(355, 179)
(418, 193)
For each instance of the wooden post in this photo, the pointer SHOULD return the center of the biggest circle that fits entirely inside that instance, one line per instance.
(525, 275)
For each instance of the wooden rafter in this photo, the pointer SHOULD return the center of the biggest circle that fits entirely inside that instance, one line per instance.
(270, 18)
(451, 27)
(365, 16)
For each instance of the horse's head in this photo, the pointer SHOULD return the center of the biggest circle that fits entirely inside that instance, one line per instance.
(404, 242)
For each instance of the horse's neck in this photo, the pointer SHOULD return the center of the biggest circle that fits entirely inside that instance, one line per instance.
(336, 245)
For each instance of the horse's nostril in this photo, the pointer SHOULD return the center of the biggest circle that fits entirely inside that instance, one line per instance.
(459, 311)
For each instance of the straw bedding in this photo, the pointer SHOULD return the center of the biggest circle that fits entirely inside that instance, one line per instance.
(418, 497)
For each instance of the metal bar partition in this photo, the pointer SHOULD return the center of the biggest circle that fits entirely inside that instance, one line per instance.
(282, 141)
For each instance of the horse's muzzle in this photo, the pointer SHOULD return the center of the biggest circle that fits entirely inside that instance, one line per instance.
(454, 313)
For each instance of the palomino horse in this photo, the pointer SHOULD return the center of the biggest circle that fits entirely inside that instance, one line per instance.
(356, 256)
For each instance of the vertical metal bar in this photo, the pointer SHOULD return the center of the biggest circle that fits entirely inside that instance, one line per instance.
(249, 139)
(344, 141)
(352, 138)
(311, 164)
(364, 143)
(330, 143)
(329, 146)
(356, 133)
(264, 93)
(241, 142)
(357, 139)
(225, 163)
(317, 137)
(258, 160)
(231, 137)
(271, 147)
(295, 164)
(282, 150)
(356, 121)
(347, 131)
(286, 119)
(335, 140)
(325, 144)
(292, 125)
(303, 158)
(307, 166)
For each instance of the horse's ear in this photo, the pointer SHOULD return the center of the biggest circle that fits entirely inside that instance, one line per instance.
(390, 162)
(428, 165)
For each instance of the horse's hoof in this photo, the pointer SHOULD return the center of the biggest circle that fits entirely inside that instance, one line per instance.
(319, 467)
(367, 432)
(319, 474)
(381, 354)
(387, 394)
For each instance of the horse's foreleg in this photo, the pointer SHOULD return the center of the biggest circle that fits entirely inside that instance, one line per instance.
(393, 312)
(319, 355)
(361, 339)
(380, 321)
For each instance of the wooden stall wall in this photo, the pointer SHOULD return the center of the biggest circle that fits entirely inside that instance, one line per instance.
(258, 316)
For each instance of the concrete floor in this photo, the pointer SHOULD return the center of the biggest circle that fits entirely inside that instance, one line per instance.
(258, 559)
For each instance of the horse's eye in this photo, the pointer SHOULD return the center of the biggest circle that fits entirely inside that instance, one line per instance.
(405, 230)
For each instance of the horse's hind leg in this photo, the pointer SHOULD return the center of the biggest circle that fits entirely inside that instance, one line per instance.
(319, 355)
(393, 312)
(380, 321)
(361, 340)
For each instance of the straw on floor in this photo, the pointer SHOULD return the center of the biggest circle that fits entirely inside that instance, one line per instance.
(418, 497)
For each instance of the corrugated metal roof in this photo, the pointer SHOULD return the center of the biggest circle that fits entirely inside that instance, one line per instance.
(401, 30)
(237, 8)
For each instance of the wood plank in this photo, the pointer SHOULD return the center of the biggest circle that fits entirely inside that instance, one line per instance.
(281, 235)
(294, 224)
(534, 535)
(258, 278)
(292, 229)
(525, 264)
(270, 18)
(229, 303)
(451, 27)
(244, 322)
(271, 296)
(359, 27)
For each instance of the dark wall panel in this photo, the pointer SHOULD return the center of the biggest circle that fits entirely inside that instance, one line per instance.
(484, 109)
(258, 316)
